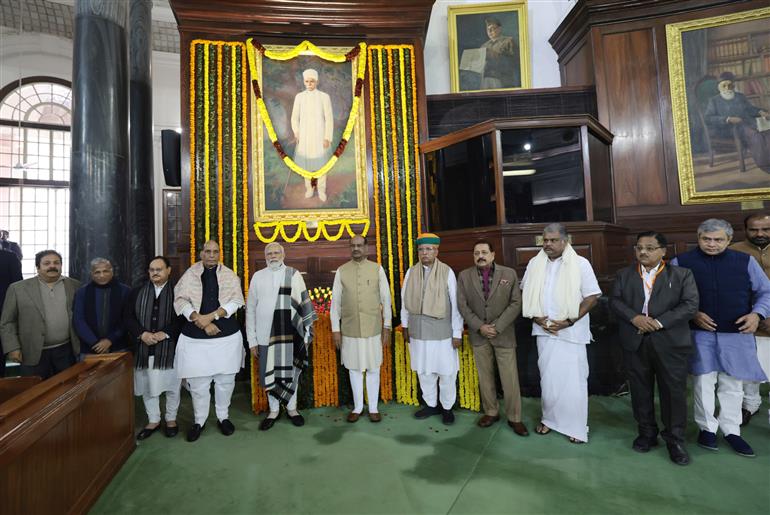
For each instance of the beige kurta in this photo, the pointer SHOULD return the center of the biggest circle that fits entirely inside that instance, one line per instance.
(361, 306)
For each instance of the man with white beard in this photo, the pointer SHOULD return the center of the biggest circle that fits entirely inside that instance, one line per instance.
(731, 109)
(279, 329)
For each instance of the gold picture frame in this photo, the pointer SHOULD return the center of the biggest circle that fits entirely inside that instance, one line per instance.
(713, 150)
(489, 61)
(278, 191)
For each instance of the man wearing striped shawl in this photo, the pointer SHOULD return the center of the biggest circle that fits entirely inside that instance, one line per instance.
(210, 347)
(153, 327)
(279, 329)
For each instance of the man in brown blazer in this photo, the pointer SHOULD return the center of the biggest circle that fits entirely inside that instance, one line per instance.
(489, 299)
(36, 323)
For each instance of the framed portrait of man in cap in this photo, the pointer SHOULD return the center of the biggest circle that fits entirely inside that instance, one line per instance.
(488, 47)
(720, 92)
(308, 102)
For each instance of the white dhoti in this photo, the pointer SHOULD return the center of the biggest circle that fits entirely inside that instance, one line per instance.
(564, 385)
(150, 384)
(202, 361)
(436, 363)
(751, 398)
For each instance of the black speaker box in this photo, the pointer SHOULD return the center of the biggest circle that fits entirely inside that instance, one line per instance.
(172, 158)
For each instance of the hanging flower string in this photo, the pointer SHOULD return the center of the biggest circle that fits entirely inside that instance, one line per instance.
(358, 52)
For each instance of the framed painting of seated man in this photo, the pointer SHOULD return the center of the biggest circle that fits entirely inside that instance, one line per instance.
(308, 101)
(720, 91)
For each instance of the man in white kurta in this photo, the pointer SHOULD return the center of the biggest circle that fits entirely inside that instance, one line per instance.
(312, 123)
(152, 324)
(433, 328)
(210, 347)
(559, 289)
(361, 321)
(262, 306)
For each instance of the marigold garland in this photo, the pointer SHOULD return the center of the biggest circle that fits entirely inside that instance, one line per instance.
(193, 249)
(301, 229)
(358, 52)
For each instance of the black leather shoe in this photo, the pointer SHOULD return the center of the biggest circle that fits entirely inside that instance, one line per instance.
(427, 411)
(447, 417)
(195, 432)
(226, 427)
(298, 420)
(146, 433)
(171, 432)
(644, 443)
(267, 423)
(678, 453)
(745, 417)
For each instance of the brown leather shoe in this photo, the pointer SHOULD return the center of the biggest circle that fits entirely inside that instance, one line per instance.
(375, 417)
(353, 417)
(487, 420)
(519, 428)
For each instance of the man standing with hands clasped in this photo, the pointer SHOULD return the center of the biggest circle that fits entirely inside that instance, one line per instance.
(361, 322)
(654, 302)
(489, 299)
(433, 328)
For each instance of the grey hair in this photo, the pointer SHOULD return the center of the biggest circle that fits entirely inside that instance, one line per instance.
(557, 227)
(95, 262)
(715, 224)
(274, 244)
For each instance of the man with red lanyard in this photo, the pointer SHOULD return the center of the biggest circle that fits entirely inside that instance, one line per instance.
(654, 302)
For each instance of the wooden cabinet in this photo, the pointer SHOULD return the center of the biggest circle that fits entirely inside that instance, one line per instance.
(519, 170)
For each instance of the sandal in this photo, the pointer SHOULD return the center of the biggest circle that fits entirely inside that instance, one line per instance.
(575, 440)
(542, 429)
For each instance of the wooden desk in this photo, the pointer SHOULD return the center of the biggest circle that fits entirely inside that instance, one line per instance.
(64, 439)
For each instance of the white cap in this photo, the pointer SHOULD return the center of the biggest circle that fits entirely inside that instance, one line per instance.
(310, 74)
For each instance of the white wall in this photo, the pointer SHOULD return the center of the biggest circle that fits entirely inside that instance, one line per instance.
(41, 54)
(543, 17)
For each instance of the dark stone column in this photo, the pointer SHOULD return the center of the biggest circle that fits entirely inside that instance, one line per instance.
(99, 136)
(140, 198)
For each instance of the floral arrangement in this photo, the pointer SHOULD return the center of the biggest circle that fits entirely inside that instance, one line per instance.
(321, 297)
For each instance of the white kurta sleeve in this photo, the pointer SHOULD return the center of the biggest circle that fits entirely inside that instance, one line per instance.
(334, 310)
(404, 312)
(588, 284)
(385, 300)
(457, 319)
(251, 312)
(230, 308)
(295, 115)
(328, 117)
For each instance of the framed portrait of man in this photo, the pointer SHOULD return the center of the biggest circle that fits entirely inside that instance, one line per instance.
(308, 101)
(719, 71)
(488, 47)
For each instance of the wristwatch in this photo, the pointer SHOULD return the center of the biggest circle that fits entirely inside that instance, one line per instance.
(216, 315)
(570, 322)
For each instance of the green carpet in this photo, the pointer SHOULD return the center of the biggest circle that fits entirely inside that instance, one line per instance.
(404, 465)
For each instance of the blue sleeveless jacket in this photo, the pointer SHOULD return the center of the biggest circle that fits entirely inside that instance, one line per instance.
(723, 284)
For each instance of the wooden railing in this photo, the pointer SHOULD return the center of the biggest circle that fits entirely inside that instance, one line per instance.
(64, 439)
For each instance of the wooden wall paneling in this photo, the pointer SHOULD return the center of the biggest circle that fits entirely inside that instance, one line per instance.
(602, 184)
(628, 77)
(578, 68)
(587, 179)
(646, 181)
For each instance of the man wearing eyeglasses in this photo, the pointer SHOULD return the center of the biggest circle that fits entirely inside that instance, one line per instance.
(654, 302)
(734, 297)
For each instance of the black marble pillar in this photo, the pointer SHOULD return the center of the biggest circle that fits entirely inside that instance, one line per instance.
(140, 198)
(99, 167)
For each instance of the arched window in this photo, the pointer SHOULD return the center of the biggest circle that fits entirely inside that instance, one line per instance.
(35, 166)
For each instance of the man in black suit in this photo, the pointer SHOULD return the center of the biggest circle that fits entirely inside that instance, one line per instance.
(10, 272)
(655, 302)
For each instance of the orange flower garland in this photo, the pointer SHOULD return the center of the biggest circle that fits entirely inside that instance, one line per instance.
(325, 381)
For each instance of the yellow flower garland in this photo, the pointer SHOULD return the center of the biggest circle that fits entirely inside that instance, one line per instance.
(290, 54)
(279, 228)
